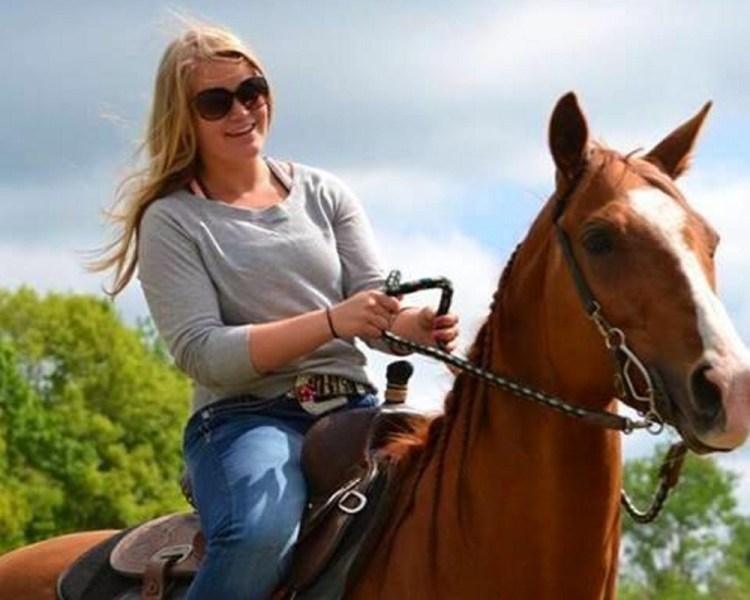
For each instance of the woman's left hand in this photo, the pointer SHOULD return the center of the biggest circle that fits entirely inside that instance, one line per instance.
(438, 330)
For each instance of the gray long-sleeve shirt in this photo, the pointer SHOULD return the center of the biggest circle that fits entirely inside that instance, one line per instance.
(209, 271)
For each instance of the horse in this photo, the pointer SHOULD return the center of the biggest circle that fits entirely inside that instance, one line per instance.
(503, 498)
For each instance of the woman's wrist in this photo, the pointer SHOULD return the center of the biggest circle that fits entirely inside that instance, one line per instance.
(404, 325)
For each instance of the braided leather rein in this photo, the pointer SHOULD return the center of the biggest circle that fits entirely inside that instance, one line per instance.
(602, 418)
(672, 465)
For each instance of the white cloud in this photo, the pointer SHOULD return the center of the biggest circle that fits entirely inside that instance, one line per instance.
(468, 93)
(404, 198)
(45, 269)
(62, 270)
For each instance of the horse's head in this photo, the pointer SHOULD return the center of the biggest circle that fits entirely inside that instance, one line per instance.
(647, 258)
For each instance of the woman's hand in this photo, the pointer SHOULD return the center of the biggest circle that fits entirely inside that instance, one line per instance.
(365, 314)
(421, 325)
(438, 330)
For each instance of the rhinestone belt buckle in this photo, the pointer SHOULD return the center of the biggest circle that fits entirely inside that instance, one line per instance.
(310, 393)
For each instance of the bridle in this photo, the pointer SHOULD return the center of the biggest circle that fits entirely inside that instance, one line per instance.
(625, 359)
(627, 365)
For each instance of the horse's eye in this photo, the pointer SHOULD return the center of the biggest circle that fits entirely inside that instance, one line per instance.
(597, 242)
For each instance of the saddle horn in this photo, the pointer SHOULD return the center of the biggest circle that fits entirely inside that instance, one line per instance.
(397, 375)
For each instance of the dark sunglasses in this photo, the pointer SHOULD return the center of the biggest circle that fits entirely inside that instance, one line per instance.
(215, 103)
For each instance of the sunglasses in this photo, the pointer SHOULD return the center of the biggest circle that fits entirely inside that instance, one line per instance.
(215, 103)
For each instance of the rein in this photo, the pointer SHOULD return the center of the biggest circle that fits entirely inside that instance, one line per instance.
(601, 418)
(627, 365)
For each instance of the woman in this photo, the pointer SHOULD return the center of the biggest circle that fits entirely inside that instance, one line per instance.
(259, 275)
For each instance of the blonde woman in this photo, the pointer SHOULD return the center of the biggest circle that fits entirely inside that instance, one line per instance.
(259, 275)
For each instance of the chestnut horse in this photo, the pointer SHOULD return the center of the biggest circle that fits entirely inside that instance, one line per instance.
(507, 499)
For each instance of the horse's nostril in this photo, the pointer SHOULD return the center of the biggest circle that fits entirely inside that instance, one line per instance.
(706, 395)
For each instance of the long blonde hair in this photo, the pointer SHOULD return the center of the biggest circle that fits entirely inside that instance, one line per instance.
(170, 143)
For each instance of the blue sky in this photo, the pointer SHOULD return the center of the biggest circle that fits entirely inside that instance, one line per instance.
(434, 112)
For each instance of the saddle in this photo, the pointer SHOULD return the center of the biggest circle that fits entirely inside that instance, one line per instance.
(351, 484)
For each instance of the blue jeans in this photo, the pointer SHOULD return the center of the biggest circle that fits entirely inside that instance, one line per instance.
(250, 493)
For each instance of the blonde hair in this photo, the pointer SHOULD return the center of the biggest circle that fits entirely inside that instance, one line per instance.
(170, 142)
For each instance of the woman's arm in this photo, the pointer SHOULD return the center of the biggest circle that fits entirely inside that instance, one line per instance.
(365, 315)
(184, 305)
(362, 268)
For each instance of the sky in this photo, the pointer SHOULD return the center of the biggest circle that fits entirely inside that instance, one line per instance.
(435, 113)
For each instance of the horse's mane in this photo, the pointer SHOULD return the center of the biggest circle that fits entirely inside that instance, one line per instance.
(413, 452)
(602, 156)
(424, 438)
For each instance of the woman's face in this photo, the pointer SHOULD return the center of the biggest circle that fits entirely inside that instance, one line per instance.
(241, 133)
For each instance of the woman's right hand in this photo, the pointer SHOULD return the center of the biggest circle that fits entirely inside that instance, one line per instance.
(365, 314)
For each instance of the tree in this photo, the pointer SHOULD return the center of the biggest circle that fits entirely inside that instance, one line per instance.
(699, 546)
(27, 497)
(91, 417)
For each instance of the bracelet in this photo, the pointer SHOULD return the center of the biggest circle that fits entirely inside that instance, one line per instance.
(330, 323)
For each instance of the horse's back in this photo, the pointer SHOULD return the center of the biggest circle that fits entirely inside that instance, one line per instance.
(31, 572)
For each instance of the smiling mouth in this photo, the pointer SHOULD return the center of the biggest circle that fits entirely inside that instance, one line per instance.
(242, 132)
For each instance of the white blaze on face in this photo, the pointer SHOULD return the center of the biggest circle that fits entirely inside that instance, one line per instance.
(722, 347)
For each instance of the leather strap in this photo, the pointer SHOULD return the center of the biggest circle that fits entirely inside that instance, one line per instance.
(282, 171)
(156, 577)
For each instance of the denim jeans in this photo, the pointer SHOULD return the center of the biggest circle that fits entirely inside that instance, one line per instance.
(250, 493)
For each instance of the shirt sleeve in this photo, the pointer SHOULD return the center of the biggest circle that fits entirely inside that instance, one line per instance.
(362, 265)
(183, 303)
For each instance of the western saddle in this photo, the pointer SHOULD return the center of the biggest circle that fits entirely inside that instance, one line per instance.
(351, 486)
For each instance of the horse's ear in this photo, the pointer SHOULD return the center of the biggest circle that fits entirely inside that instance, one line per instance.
(568, 136)
(672, 154)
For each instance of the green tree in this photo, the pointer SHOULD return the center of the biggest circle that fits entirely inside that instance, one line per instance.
(91, 416)
(27, 497)
(698, 547)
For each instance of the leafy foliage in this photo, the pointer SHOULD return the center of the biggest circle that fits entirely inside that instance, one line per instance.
(698, 548)
(91, 417)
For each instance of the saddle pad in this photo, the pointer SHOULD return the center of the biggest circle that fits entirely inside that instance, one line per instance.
(90, 576)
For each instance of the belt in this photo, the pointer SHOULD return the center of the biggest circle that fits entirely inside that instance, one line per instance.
(320, 393)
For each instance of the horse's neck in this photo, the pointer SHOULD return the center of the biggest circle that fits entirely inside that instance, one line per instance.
(523, 496)
(541, 489)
